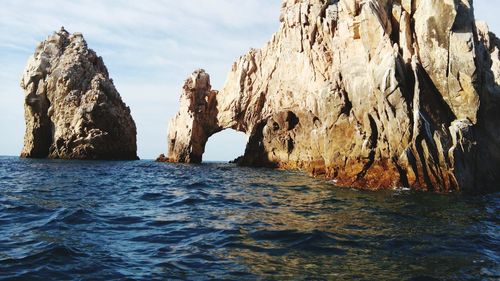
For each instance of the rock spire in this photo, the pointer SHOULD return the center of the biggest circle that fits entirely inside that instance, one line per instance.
(72, 109)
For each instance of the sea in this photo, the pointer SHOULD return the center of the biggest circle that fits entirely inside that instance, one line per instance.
(141, 220)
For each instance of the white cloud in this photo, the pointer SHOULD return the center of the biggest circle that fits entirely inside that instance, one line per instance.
(150, 47)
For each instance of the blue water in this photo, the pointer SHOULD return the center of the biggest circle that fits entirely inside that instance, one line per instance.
(72, 220)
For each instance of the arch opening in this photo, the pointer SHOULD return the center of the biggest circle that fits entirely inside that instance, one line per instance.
(225, 146)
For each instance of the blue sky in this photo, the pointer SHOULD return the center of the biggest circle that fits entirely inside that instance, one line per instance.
(149, 47)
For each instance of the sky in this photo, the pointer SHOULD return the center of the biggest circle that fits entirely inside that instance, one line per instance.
(150, 48)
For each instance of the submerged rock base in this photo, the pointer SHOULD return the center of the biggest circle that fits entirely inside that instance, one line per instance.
(371, 94)
(72, 109)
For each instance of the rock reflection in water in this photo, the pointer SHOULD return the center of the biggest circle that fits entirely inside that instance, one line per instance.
(153, 221)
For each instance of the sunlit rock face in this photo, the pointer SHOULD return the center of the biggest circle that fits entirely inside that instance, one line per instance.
(196, 121)
(370, 94)
(72, 109)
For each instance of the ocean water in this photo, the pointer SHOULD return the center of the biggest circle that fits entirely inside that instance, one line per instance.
(74, 220)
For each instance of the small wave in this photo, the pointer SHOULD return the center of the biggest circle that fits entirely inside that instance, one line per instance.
(404, 190)
(198, 184)
(316, 241)
(225, 168)
(154, 238)
(125, 220)
(67, 218)
(279, 235)
(275, 251)
(173, 270)
(151, 196)
(186, 200)
(53, 252)
(161, 223)
(14, 208)
(79, 216)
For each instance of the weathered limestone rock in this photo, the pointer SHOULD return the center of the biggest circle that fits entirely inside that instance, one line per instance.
(72, 109)
(371, 94)
(197, 118)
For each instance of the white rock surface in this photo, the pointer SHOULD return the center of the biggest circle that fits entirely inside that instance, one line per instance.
(372, 94)
(72, 109)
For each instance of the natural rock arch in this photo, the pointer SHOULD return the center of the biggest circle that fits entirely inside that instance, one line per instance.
(225, 146)
(197, 120)
(371, 94)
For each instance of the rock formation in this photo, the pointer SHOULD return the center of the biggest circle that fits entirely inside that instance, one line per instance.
(72, 109)
(195, 122)
(370, 94)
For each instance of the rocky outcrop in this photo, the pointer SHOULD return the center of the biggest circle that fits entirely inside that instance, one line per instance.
(195, 122)
(370, 94)
(72, 109)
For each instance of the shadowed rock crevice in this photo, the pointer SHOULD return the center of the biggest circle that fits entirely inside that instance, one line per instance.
(370, 94)
(72, 109)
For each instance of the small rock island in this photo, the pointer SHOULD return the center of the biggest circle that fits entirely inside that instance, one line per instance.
(370, 94)
(72, 109)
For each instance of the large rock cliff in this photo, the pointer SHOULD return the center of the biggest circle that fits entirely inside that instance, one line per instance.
(371, 94)
(72, 109)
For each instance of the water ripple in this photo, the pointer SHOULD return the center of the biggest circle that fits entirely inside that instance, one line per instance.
(74, 220)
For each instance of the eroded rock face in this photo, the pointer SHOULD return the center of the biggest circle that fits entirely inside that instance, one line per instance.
(196, 120)
(72, 109)
(371, 94)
